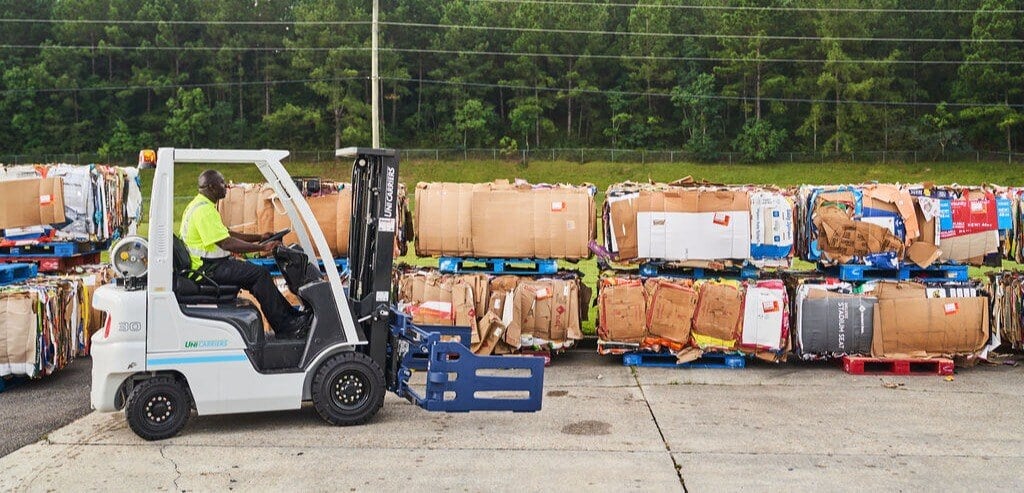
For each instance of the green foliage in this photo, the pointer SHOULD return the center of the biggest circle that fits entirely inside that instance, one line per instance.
(296, 73)
(190, 118)
(759, 142)
(941, 124)
(122, 142)
(471, 119)
(700, 111)
(292, 125)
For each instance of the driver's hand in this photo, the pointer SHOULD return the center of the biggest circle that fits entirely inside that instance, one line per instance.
(269, 246)
(264, 236)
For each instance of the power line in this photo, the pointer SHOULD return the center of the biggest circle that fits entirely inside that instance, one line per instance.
(704, 59)
(186, 23)
(715, 97)
(185, 48)
(754, 8)
(513, 54)
(697, 35)
(181, 86)
(560, 31)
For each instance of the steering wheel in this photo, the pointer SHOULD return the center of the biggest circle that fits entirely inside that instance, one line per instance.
(277, 236)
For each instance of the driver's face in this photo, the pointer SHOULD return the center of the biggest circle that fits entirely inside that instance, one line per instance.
(217, 188)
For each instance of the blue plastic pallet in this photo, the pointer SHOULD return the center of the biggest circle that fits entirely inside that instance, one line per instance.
(271, 265)
(54, 249)
(497, 266)
(935, 273)
(656, 269)
(7, 383)
(12, 273)
(666, 360)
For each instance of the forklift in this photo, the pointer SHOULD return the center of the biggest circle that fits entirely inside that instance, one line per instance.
(174, 342)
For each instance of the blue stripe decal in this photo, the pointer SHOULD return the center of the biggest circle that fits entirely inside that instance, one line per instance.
(199, 359)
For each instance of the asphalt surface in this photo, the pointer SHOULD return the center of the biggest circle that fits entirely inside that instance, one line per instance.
(603, 427)
(31, 409)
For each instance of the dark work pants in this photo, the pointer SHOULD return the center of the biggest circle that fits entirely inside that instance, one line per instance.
(257, 281)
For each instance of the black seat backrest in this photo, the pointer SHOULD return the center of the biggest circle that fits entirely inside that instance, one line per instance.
(181, 261)
(295, 268)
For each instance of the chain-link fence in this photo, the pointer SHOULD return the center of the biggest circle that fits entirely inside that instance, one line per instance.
(584, 155)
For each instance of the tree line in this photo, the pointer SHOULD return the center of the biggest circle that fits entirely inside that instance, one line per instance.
(707, 77)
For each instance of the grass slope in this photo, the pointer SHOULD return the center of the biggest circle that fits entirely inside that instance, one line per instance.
(604, 174)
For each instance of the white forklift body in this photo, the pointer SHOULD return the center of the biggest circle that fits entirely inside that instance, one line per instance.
(146, 331)
(168, 346)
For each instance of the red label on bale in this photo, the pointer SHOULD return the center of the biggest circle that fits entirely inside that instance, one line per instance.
(721, 219)
(972, 216)
(951, 308)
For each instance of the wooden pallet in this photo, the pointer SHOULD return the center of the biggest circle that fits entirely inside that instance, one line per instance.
(857, 365)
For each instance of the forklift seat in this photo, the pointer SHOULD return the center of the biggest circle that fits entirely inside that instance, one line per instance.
(191, 287)
(295, 268)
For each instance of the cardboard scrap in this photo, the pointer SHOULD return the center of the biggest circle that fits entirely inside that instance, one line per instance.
(31, 202)
(923, 254)
(842, 238)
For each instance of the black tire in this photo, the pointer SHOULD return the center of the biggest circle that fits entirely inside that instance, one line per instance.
(158, 408)
(348, 389)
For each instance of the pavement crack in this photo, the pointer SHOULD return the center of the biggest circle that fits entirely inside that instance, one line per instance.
(176, 470)
(668, 448)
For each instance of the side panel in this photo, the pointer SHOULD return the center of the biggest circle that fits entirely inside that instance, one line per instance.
(172, 331)
(224, 382)
(119, 350)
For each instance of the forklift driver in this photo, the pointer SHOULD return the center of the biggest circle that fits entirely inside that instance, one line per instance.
(210, 245)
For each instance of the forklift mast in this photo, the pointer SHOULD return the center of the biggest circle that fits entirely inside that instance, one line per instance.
(371, 243)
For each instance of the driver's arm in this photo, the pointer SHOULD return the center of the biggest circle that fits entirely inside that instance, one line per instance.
(236, 245)
(247, 237)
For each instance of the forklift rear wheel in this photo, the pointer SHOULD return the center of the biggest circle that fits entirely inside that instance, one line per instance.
(158, 408)
(348, 389)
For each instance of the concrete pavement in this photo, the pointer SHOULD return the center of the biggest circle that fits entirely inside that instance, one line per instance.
(603, 427)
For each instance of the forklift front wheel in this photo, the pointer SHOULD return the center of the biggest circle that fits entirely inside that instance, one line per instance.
(348, 389)
(158, 408)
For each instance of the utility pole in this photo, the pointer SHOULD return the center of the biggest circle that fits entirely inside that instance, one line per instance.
(375, 80)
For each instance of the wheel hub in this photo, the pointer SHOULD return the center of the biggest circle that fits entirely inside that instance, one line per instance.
(349, 389)
(159, 408)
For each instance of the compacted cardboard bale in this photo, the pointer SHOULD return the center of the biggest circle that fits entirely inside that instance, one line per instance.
(670, 311)
(765, 316)
(621, 312)
(503, 219)
(716, 323)
(832, 324)
(912, 320)
(31, 202)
